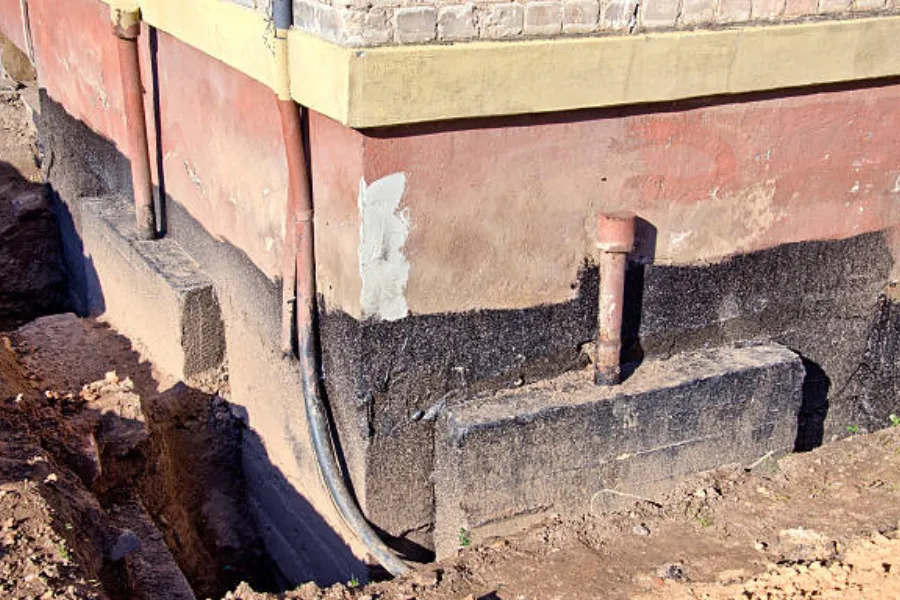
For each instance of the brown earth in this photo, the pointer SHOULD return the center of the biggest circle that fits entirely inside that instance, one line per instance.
(808, 525)
(151, 524)
(815, 525)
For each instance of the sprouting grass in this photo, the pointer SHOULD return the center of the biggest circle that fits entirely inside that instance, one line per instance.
(354, 582)
(895, 420)
(465, 539)
(854, 429)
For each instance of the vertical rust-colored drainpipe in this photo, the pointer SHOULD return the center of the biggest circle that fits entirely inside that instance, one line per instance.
(300, 276)
(126, 26)
(298, 246)
(615, 239)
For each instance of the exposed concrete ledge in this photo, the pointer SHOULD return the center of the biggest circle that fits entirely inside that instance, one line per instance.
(561, 445)
(381, 86)
(152, 291)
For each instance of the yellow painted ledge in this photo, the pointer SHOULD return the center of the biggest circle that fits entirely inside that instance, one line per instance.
(372, 87)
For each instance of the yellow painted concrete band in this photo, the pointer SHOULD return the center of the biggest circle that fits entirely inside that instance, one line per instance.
(391, 85)
(407, 84)
(238, 36)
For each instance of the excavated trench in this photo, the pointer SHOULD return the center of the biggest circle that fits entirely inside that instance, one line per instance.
(142, 474)
(160, 466)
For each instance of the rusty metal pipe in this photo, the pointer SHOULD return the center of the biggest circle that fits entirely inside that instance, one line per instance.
(615, 239)
(126, 26)
(298, 203)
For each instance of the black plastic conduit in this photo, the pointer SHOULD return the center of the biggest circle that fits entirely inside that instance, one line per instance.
(300, 272)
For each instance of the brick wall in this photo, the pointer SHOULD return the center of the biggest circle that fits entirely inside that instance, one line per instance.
(377, 22)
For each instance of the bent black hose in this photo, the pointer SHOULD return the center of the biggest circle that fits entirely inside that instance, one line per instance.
(319, 432)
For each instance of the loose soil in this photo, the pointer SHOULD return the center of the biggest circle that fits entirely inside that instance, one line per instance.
(146, 522)
(816, 525)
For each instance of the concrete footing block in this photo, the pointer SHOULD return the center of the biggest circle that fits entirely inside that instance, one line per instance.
(568, 447)
(151, 291)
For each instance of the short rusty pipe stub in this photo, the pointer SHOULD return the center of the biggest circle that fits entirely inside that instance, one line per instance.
(615, 239)
(615, 232)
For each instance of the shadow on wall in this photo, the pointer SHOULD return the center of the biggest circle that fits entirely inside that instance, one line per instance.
(644, 252)
(85, 293)
(285, 518)
(813, 409)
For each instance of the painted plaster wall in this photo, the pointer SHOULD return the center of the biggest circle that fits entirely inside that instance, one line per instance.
(501, 212)
(221, 147)
(11, 23)
(356, 23)
(222, 151)
(497, 214)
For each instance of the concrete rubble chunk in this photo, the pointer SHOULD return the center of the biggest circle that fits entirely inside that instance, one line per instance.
(566, 446)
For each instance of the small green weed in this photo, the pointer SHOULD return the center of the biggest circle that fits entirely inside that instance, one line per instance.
(895, 420)
(63, 551)
(854, 429)
(353, 583)
(464, 539)
(705, 522)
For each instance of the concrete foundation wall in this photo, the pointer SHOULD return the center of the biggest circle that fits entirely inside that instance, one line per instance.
(388, 381)
(662, 423)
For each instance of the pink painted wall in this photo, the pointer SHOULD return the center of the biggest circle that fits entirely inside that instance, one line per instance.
(502, 213)
(76, 59)
(220, 131)
(223, 154)
(11, 23)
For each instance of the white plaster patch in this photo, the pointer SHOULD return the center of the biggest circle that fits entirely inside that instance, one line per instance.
(382, 234)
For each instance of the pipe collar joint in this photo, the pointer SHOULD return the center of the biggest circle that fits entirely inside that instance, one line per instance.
(615, 232)
(126, 19)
